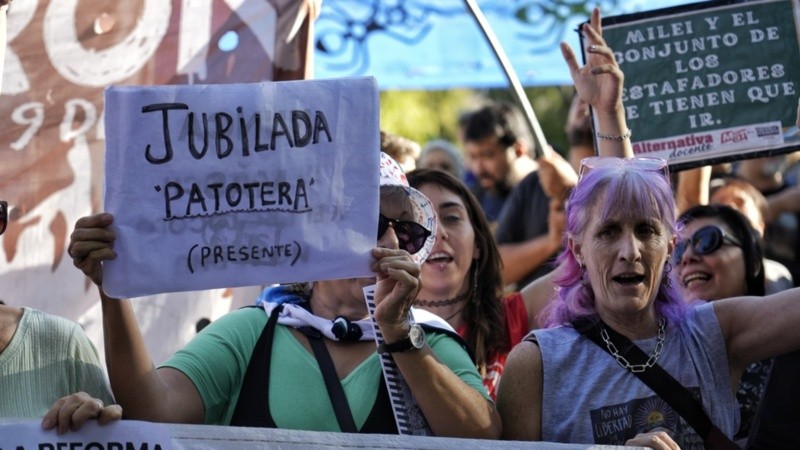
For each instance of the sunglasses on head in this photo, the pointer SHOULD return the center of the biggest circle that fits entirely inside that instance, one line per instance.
(3, 216)
(410, 235)
(705, 241)
(645, 163)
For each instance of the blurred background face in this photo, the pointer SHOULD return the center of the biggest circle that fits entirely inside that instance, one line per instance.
(579, 125)
(489, 160)
(439, 160)
(447, 269)
(720, 274)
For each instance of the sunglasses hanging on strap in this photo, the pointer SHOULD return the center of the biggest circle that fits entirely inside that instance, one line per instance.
(663, 384)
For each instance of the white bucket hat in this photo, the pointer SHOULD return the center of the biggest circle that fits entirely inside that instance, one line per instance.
(424, 214)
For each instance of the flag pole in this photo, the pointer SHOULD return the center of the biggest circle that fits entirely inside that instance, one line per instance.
(539, 141)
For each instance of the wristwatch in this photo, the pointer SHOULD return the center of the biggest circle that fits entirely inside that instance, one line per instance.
(415, 340)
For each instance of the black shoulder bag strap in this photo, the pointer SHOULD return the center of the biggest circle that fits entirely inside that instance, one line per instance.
(252, 406)
(332, 383)
(662, 383)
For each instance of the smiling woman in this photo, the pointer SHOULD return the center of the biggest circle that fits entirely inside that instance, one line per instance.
(720, 258)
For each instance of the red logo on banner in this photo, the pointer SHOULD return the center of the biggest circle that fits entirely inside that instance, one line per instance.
(734, 136)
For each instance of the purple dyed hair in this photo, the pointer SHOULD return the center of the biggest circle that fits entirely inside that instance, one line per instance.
(639, 192)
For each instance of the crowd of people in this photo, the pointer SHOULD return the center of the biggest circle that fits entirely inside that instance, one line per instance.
(517, 296)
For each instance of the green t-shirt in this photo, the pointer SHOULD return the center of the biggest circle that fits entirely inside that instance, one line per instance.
(216, 361)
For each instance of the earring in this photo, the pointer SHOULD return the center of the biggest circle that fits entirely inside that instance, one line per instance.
(584, 280)
(666, 279)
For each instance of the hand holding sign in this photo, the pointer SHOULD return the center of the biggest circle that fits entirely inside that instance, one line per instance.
(72, 411)
(91, 243)
(397, 287)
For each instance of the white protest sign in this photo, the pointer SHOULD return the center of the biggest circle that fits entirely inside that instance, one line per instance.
(236, 185)
(120, 435)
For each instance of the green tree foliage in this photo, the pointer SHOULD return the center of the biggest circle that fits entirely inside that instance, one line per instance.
(425, 115)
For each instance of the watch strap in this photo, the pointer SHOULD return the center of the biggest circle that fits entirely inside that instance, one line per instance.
(402, 344)
(398, 346)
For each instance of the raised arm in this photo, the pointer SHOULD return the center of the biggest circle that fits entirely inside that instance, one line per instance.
(599, 83)
(693, 188)
(522, 258)
(451, 407)
(757, 328)
(164, 395)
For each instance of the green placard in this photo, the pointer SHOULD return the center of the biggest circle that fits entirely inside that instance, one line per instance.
(710, 81)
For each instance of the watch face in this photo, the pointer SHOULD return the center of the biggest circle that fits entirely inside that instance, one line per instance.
(417, 336)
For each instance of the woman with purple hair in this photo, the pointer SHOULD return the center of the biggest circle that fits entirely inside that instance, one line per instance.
(561, 385)
(618, 326)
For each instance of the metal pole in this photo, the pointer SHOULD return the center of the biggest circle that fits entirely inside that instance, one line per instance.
(539, 142)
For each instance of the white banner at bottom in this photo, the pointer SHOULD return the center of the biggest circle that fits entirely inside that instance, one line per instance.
(120, 435)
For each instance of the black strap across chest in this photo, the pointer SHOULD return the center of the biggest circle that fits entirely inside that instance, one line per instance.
(662, 383)
(252, 406)
(332, 383)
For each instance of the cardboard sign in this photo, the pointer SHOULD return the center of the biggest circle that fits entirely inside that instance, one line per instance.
(710, 82)
(60, 56)
(120, 435)
(235, 185)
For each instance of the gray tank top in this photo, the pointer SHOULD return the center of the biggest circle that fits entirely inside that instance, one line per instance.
(589, 398)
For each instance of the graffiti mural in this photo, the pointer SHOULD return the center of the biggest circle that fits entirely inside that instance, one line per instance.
(60, 57)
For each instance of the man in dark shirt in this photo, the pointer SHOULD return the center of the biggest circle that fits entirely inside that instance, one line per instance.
(498, 147)
(531, 224)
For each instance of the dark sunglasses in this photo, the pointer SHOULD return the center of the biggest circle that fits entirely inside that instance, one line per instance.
(705, 241)
(410, 235)
(3, 216)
